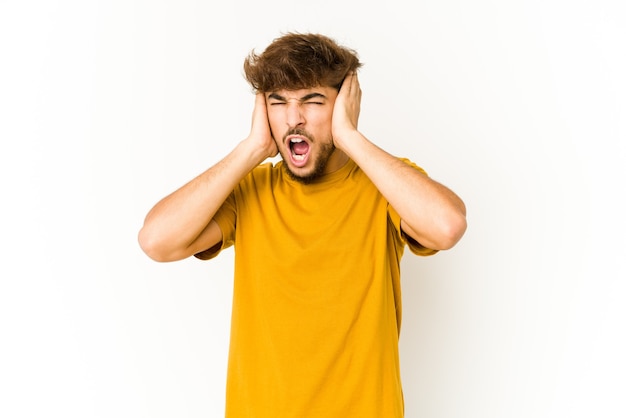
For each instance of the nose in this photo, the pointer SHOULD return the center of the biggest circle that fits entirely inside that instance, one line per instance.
(295, 117)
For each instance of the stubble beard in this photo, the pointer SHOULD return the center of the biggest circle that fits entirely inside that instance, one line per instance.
(319, 165)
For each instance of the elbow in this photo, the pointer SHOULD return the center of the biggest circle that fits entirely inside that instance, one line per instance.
(454, 225)
(150, 244)
(444, 232)
(452, 231)
(441, 233)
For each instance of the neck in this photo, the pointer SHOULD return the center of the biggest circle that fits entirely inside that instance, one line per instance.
(337, 160)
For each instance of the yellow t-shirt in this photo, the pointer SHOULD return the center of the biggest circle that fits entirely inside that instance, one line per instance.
(316, 300)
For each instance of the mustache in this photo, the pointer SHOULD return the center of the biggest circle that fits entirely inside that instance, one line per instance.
(299, 132)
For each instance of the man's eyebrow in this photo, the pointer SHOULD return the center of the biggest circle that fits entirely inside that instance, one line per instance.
(276, 96)
(312, 96)
(304, 98)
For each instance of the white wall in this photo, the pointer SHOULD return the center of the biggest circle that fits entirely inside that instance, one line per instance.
(519, 106)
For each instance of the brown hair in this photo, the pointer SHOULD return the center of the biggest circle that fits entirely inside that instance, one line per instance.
(299, 61)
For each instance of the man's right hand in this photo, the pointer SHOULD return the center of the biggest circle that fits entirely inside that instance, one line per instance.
(181, 224)
(260, 133)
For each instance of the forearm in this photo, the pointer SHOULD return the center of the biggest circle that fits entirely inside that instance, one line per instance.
(431, 213)
(174, 225)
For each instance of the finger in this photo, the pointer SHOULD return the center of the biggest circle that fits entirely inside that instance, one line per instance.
(347, 82)
(355, 86)
(353, 83)
(259, 114)
(355, 79)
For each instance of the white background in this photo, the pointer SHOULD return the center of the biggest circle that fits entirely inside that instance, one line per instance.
(518, 106)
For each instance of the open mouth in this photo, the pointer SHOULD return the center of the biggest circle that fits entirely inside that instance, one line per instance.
(299, 151)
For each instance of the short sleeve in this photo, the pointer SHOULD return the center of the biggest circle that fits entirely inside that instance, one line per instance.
(414, 246)
(226, 219)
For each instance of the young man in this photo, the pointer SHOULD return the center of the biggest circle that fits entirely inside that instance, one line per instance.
(318, 239)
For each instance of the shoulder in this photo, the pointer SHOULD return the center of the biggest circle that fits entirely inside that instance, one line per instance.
(267, 171)
(259, 180)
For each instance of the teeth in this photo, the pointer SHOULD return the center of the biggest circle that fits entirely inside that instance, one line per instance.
(295, 156)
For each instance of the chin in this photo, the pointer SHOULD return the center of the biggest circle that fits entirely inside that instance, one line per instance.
(314, 169)
(306, 175)
(304, 178)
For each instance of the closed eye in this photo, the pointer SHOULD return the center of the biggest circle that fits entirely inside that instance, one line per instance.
(315, 98)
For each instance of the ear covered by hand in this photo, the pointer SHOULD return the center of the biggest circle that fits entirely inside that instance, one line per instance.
(260, 132)
(347, 108)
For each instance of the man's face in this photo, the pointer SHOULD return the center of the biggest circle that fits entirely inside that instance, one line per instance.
(301, 122)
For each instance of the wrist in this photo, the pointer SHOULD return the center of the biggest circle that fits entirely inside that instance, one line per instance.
(348, 141)
(252, 152)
